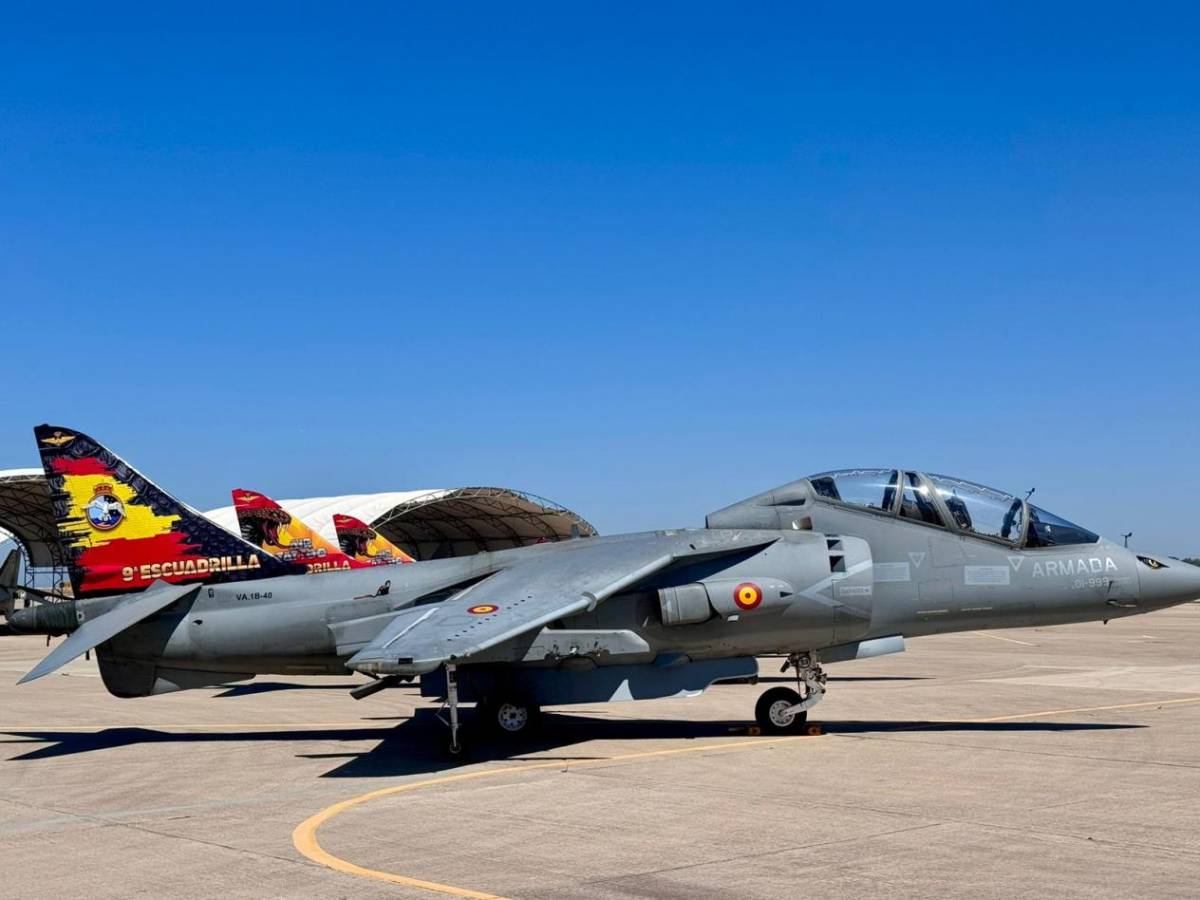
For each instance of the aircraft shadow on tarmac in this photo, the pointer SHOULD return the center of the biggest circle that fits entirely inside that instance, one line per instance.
(267, 687)
(415, 745)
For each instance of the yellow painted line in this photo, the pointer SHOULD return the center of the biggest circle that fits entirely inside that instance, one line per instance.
(304, 838)
(1086, 709)
(996, 637)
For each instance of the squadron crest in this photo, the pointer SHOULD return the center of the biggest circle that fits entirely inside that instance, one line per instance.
(105, 511)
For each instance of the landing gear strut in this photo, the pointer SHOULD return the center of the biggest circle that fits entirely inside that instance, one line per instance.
(781, 710)
(505, 714)
(455, 747)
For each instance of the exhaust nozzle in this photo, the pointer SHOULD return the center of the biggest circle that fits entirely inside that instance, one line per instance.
(45, 618)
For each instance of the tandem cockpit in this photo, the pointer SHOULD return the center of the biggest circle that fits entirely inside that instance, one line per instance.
(846, 501)
(954, 504)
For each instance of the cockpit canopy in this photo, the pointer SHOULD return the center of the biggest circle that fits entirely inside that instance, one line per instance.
(946, 502)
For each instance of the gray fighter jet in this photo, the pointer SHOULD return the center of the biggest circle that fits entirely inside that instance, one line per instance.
(838, 566)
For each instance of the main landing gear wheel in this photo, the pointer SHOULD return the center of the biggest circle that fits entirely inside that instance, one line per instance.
(772, 712)
(509, 716)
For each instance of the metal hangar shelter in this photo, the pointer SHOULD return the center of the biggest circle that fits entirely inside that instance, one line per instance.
(433, 524)
(25, 514)
(428, 524)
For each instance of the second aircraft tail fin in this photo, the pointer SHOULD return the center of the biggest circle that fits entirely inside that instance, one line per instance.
(268, 525)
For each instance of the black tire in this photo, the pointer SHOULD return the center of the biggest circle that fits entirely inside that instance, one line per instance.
(509, 717)
(458, 750)
(767, 712)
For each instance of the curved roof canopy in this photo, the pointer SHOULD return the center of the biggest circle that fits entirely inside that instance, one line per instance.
(25, 513)
(432, 524)
(428, 524)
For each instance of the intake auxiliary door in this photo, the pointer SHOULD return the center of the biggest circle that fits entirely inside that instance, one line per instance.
(851, 568)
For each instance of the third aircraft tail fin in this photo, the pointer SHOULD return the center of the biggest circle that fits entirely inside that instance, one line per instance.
(365, 544)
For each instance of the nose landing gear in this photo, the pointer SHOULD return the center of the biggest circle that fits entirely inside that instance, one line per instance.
(781, 710)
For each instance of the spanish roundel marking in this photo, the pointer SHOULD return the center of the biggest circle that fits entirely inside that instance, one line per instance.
(483, 609)
(747, 595)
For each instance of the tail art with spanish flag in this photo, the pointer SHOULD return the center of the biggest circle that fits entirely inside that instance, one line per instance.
(363, 543)
(122, 532)
(268, 525)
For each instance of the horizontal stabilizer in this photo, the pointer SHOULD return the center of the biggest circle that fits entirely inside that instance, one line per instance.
(104, 627)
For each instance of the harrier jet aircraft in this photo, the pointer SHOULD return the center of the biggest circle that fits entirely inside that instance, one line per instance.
(838, 566)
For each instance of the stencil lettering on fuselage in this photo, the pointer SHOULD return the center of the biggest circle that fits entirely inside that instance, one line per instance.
(1055, 568)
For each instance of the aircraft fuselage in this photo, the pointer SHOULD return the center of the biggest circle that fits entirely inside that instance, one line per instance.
(896, 580)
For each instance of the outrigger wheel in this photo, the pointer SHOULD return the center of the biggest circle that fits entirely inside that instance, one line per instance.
(772, 714)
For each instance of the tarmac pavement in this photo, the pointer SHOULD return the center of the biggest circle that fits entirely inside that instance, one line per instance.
(1035, 762)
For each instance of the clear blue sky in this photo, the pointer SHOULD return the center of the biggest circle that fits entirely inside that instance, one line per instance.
(643, 259)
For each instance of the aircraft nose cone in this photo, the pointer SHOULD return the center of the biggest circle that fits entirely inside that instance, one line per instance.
(1166, 582)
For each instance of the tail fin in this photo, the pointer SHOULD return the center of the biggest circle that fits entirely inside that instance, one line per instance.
(122, 532)
(268, 525)
(363, 543)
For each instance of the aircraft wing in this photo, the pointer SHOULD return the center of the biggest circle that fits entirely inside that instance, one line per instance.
(535, 590)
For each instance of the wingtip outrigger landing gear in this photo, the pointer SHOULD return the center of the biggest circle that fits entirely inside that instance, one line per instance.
(455, 747)
(781, 710)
